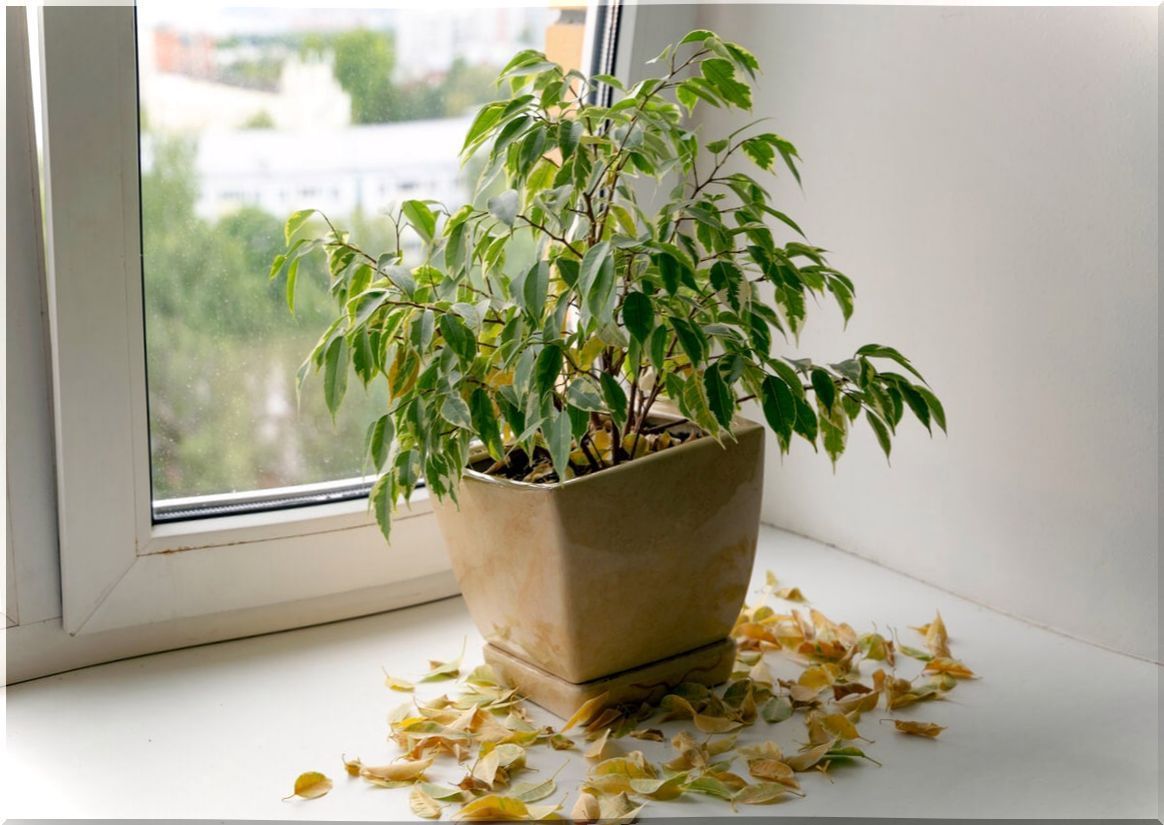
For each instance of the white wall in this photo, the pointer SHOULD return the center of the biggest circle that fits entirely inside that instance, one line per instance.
(988, 176)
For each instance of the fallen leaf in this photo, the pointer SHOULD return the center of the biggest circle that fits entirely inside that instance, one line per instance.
(352, 766)
(442, 671)
(791, 594)
(597, 746)
(586, 809)
(648, 735)
(422, 804)
(761, 794)
(617, 810)
(493, 808)
(849, 752)
(773, 770)
(668, 787)
(442, 792)
(937, 641)
(406, 770)
(561, 743)
(402, 685)
(310, 785)
(914, 653)
(952, 667)
(808, 757)
(585, 712)
(928, 729)
(529, 792)
(776, 709)
(710, 786)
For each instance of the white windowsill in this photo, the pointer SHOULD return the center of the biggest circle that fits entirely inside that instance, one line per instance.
(1055, 728)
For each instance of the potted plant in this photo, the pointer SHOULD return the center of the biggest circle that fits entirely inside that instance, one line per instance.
(566, 358)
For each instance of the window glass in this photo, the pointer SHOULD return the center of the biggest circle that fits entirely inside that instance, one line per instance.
(248, 114)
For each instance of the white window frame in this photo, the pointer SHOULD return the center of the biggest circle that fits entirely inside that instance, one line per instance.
(118, 569)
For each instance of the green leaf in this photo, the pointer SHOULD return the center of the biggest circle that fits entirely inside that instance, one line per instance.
(779, 405)
(696, 36)
(547, 369)
(485, 423)
(691, 339)
(936, 409)
(422, 219)
(669, 270)
(638, 315)
(504, 206)
(880, 431)
(382, 499)
(720, 400)
(720, 74)
(558, 433)
(568, 269)
(569, 133)
(294, 222)
(486, 117)
(335, 373)
(583, 395)
(615, 398)
(380, 436)
(825, 389)
(455, 411)
(535, 288)
(593, 261)
(460, 338)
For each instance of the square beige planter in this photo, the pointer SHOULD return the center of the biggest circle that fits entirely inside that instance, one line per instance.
(626, 581)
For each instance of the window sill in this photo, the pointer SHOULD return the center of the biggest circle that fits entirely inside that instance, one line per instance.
(1055, 728)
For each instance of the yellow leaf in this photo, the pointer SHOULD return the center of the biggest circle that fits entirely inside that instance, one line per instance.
(422, 804)
(586, 809)
(815, 678)
(772, 770)
(585, 712)
(928, 729)
(770, 579)
(937, 641)
(310, 785)
(762, 794)
(352, 766)
(841, 726)
(492, 808)
(589, 352)
(791, 594)
(402, 685)
(648, 735)
(599, 744)
(809, 757)
(406, 770)
(943, 664)
(617, 810)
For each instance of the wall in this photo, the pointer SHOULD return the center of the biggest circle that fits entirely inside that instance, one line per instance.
(988, 176)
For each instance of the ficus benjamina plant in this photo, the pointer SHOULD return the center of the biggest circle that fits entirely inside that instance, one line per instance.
(552, 313)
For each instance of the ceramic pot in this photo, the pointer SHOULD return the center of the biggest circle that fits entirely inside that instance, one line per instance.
(608, 572)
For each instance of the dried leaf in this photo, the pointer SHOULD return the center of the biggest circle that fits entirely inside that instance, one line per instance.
(791, 594)
(840, 725)
(529, 792)
(952, 667)
(678, 707)
(310, 785)
(493, 808)
(560, 742)
(422, 804)
(617, 810)
(849, 752)
(599, 744)
(665, 788)
(914, 653)
(648, 735)
(406, 770)
(352, 766)
(762, 794)
(809, 757)
(442, 792)
(776, 709)
(937, 641)
(585, 712)
(710, 786)
(770, 579)
(402, 685)
(928, 729)
(442, 671)
(773, 770)
(586, 809)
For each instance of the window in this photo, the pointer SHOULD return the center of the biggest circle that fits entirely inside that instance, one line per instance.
(188, 484)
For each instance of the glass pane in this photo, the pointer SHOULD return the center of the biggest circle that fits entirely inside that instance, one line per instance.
(248, 114)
